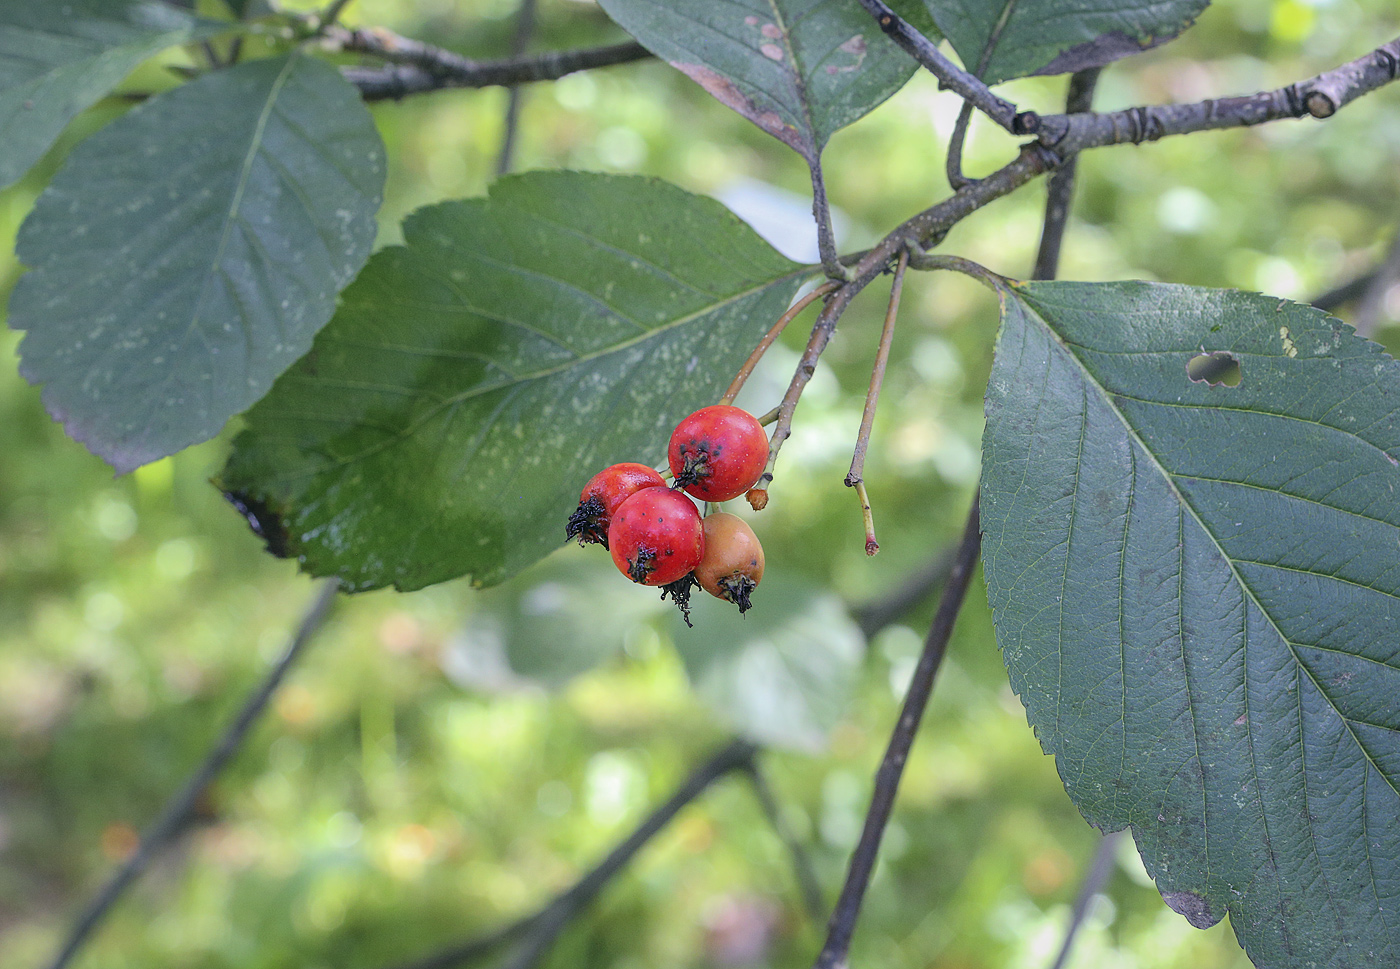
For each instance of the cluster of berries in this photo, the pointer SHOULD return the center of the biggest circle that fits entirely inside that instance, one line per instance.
(655, 533)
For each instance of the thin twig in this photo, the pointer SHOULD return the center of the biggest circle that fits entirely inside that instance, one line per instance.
(1094, 881)
(802, 869)
(953, 163)
(855, 477)
(180, 808)
(416, 67)
(949, 75)
(874, 616)
(821, 212)
(1347, 292)
(1060, 190)
(806, 366)
(331, 15)
(1370, 308)
(541, 928)
(867, 516)
(929, 262)
(956, 178)
(862, 866)
(877, 374)
(1320, 96)
(737, 384)
(524, 26)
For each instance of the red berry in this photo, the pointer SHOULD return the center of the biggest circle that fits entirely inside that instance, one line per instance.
(601, 497)
(656, 537)
(718, 452)
(732, 565)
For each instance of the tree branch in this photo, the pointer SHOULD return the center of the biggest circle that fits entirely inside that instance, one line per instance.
(1347, 292)
(176, 814)
(1071, 133)
(1060, 190)
(541, 928)
(416, 67)
(843, 919)
(1099, 870)
(805, 874)
(949, 75)
(1321, 96)
(1370, 309)
(524, 26)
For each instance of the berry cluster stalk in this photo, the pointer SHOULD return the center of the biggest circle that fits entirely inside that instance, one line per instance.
(737, 384)
(855, 477)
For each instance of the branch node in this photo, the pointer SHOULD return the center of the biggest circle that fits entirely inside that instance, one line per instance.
(1025, 123)
(1320, 105)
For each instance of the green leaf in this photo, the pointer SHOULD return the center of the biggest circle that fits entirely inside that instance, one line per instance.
(475, 378)
(1055, 36)
(186, 254)
(782, 673)
(56, 59)
(799, 69)
(1196, 589)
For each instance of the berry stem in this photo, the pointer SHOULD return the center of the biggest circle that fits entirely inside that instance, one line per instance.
(822, 329)
(855, 477)
(871, 546)
(737, 384)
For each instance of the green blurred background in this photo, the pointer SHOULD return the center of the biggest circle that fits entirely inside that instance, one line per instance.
(443, 761)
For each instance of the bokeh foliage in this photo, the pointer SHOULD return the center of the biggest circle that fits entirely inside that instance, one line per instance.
(397, 798)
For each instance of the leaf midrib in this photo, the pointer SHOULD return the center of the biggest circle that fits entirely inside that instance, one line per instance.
(409, 430)
(1229, 562)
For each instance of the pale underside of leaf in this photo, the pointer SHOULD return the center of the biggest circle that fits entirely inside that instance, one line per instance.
(56, 61)
(1004, 39)
(188, 252)
(1197, 593)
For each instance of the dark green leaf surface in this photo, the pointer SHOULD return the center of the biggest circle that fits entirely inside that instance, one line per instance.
(58, 58)
(1056, 36)
(1197, 592)
(477, 376)
(799, 69)
(186, 254)
(780, 674)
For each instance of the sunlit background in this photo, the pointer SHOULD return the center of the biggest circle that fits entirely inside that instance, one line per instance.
(444, 761)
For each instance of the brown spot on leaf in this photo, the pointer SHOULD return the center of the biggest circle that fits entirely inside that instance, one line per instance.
(1194, 908)
(730, 96)
(771, 31)
(771, 51)
(856, 48)
(751, 20)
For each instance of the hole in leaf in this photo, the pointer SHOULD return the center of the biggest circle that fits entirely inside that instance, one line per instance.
(1215, 369)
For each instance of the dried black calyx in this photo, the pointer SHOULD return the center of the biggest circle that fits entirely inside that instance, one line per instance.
(587, 523)
(737, 589)
(679, 591)
(642, 564)
(695, 464)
